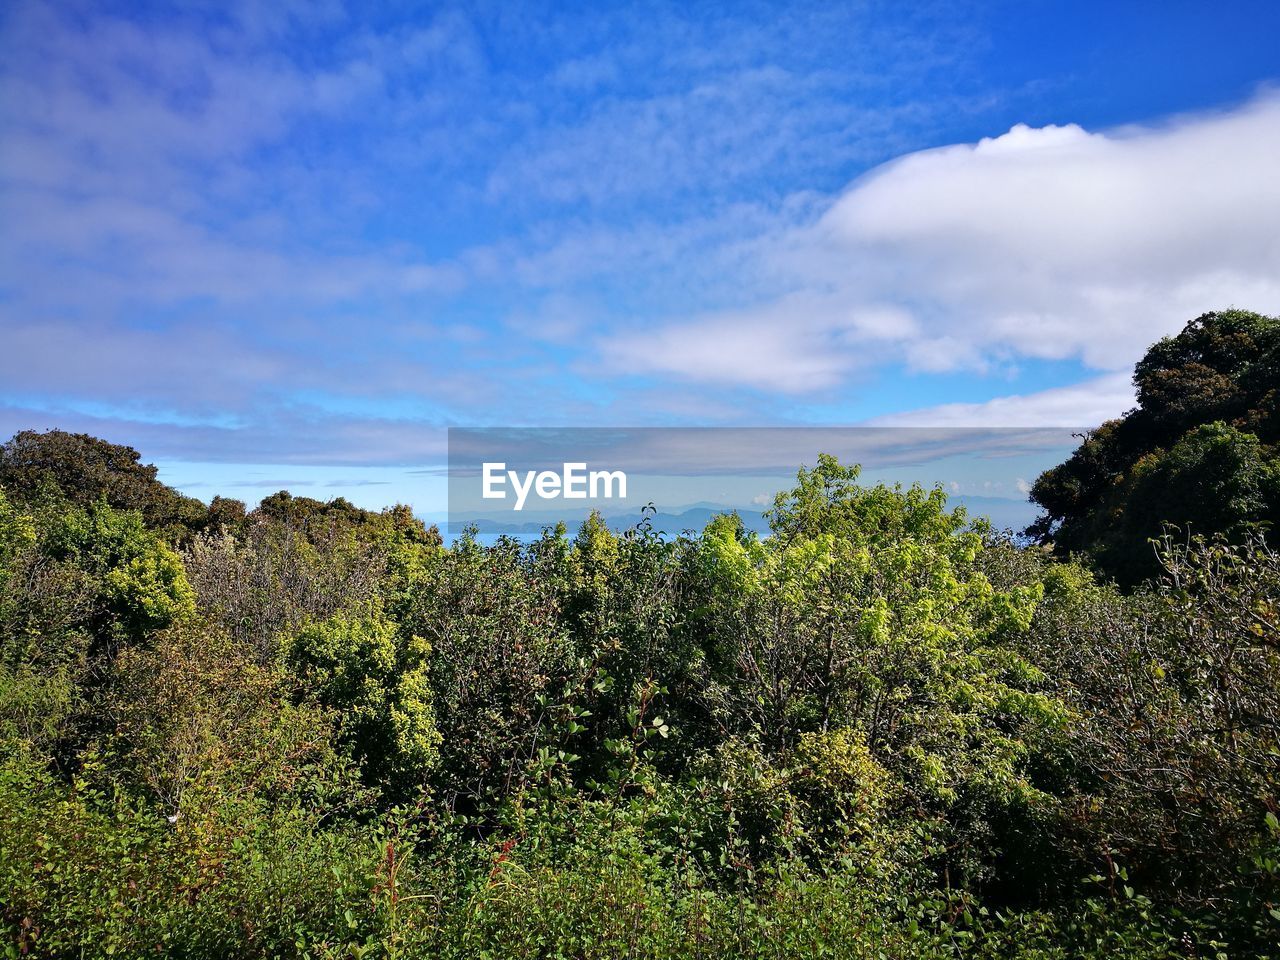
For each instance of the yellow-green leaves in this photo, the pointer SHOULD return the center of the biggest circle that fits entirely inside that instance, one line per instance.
(866, 610)
(376, 680)
(16, 529)
(140, 580)
(151, 590)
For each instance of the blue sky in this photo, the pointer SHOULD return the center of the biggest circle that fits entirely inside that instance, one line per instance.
(286, 244)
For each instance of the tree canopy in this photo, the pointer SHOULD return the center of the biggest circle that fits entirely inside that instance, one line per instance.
(1199, 453)
(85, 469)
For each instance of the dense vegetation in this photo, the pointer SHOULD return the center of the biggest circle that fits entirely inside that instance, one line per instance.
(1201, 451)
(885, 730)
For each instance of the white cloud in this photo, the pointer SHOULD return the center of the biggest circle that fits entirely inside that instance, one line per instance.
(1049, 243)
(1079, 405)
(799, 343)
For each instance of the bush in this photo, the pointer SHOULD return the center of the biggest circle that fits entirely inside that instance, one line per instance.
(376, 682)
(881, 731)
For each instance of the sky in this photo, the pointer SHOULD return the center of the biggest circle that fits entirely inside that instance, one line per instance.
(287, 244)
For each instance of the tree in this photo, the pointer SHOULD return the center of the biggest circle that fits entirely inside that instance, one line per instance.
(1198, 453)
(376, 680)
(865, 612)
(141, 583)
(85, 469)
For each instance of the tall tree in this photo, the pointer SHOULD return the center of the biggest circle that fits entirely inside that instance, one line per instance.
(1200, 452)
(85, 469)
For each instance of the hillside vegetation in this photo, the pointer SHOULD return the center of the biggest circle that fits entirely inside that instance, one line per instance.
(1201, 451)
(884, 730)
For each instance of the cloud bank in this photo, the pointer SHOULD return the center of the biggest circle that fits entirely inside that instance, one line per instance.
(1051, 243)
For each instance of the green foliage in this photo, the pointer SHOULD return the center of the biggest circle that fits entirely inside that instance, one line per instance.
(1199, 453)
(141, 582)
(880, 731)
(17, 537)
(294, 560)
(82, 874)
(16, 531)
(193, 716)
(1216, 479)
(35, 709)
(85, 470)
(866, 611)
(377, 683)
(500, 661)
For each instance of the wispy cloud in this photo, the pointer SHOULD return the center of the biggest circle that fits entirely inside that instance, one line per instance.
(317, 232)
(1081, 405)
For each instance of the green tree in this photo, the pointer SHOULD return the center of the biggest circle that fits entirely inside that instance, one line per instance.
(1198, 453)
(195, 717)
(86, 469)
(866, 611)
(141, 583)
(376, 680)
